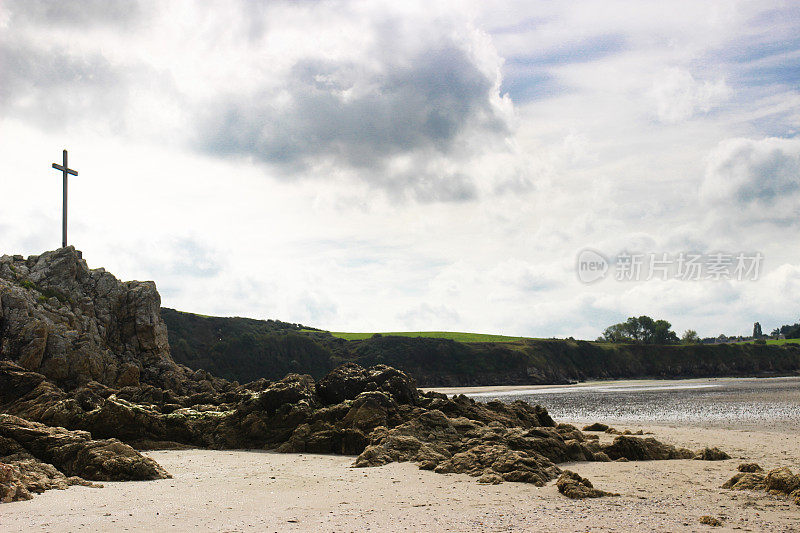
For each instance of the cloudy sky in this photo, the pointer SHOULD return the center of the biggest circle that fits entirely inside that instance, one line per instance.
(385, 166)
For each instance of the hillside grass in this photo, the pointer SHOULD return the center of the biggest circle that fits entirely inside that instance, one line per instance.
(451, 335)
(776, 342)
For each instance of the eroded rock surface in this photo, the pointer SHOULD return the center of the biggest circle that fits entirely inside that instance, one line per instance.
(75, 453)
(74, 324)
(21, 478)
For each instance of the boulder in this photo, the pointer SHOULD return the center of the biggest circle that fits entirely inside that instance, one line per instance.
(597, 426)
(576, 487)
(292, 389)
(782, 481)
(637, 449)
(349, 380)
(370, 410)
(712, 454)
(750, 467)
(710, 521)
(746, 481)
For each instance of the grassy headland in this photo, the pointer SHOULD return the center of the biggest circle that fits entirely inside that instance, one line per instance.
(452, 335)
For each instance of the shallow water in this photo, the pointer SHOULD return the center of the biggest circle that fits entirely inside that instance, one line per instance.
(747, 403)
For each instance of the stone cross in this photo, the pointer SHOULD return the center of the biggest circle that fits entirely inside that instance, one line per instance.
(66, 170)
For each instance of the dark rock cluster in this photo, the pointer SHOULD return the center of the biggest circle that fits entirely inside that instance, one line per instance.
(86, 378)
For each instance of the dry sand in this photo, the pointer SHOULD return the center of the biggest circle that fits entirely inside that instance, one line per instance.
(264, 491)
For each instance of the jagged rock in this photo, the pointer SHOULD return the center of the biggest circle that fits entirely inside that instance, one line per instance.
(75, 325)
(750, 467)
(93, 408)
(349, 380)
(511, 465)
(711, 454)
(370, 410)
(782, 481)
(514, 414)
(746, 481)
(636, 449)
(576, 487)
(292, 389)
(437, 442)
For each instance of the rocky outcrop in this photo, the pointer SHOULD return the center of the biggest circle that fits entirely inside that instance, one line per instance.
(460, 445)
(74, 453)
(75, 325)
(349, 380)
(35, 457)
(492, 441)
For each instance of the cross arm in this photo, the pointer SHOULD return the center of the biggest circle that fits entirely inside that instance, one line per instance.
(61, 168)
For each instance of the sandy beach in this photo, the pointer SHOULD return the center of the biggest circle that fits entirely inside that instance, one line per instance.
(265, 491)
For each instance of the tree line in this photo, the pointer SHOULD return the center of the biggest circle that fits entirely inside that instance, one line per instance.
(645, 330)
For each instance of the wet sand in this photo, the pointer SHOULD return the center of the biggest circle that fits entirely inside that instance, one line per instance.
(264, 491)
(754, 403)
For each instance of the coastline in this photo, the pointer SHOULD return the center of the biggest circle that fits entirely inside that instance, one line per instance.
(267, 491)
(486, 390)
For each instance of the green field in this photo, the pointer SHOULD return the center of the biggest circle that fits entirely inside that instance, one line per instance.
(452, 335)
(777, 342)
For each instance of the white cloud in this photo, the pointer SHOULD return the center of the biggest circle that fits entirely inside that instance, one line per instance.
(679, 96)
(416, 165)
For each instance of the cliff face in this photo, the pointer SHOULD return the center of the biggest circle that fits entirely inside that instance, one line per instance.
(75, 325)
(244, 349)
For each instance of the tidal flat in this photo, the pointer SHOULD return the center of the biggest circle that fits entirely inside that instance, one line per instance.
(743, 403)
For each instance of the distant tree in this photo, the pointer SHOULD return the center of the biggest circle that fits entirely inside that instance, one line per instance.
(790, 331)
(663, 334)
(757, 331)
(641, 330)
(690, 336)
